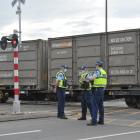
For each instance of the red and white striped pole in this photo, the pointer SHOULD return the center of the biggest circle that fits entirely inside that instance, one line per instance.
(16, 103)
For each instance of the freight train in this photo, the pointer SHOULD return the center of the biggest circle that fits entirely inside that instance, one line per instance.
(32, 71)
(120, 54)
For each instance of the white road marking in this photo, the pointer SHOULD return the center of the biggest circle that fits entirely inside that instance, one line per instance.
(18, 133)
(107, 136)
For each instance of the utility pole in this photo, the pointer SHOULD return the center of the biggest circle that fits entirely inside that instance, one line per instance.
(16, 103)
(106, 35)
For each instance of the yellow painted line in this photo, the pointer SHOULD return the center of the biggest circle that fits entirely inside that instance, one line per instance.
(134, 113)
(110, 121)
(134, 124)
(72, 118)
(116, 111)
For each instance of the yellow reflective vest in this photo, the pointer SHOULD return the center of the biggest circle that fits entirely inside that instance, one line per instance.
(101, 80)
(62, 83)
(83, 83)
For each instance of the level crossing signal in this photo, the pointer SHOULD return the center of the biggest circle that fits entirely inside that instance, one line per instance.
(3, 43)
(12, 38)
(14, 41)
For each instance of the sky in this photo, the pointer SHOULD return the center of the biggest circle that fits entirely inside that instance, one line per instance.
(43, 19)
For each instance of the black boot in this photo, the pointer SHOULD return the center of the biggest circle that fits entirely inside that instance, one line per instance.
(63, 117)
(101, 122)
(82, 118)
(91, 124)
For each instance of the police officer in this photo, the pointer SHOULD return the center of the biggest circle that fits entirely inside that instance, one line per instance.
(82, 75)
(86, 101)
(61, 85)
(100, 82)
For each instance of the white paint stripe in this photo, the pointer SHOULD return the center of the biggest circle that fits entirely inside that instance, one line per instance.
(107, 136)
(16, 49)
(16, 85)
(18, 133)
(17, 98)
(15, 72)
(15, 60)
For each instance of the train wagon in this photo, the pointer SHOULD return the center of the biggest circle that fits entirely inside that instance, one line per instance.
(124, 65)
(73, 51)
(33, 67)
(121, 56)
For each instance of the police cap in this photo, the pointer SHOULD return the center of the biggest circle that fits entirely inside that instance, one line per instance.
(83, 67)
(99, 62)
(64, 66)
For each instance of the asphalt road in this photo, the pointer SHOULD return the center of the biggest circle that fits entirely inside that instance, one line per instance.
(56, 129)
(116, 112)
(121, 123)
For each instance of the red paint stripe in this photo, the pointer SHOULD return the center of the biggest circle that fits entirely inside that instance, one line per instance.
(16, 91)
(15, 66)
(16, 79)
(15, 53)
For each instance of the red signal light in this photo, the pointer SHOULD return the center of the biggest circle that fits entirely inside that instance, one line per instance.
(14, 41)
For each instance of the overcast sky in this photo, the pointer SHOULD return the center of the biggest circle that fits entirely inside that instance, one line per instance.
(42, 19)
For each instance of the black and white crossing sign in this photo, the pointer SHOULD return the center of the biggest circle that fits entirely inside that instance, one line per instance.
(15, 1)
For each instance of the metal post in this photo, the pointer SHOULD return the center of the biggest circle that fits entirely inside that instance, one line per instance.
(16, 103)
(106, 35)
(19, 13)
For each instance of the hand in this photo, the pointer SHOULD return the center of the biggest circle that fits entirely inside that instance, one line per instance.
(54, 89)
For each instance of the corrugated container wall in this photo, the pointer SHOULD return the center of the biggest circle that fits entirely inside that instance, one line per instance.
(88, 50)
(74, 51)
(59, 53)
(123, 58)
(32, 65)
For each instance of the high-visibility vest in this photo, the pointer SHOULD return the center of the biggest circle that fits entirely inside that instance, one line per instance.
(83, 83)
(82, 77)
(101, 80)
(62, 83)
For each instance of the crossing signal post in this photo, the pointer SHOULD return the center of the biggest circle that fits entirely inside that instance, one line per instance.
(16, 103)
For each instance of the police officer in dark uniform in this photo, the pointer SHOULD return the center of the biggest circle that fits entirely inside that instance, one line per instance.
(61, 85)
(82, 75)
(100, 82)
(86, 101)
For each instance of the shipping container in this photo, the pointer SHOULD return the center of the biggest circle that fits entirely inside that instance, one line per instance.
(124, 65)
(121, 55)
(33, 67)
(73, 51)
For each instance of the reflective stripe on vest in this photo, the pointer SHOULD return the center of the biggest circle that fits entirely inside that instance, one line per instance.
(83, 77)
(101, 80)
(61, 82)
